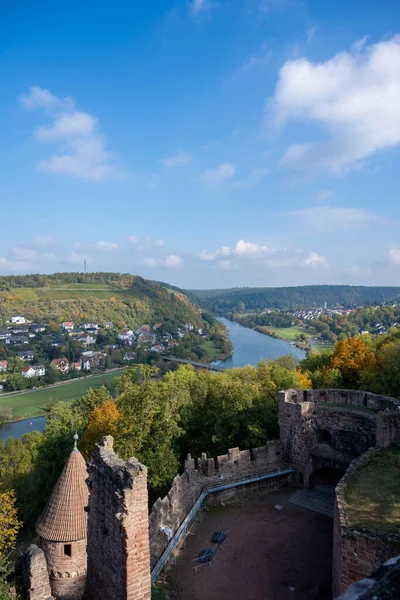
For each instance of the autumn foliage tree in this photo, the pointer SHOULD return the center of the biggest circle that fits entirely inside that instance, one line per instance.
(354, 359)
(103, 420)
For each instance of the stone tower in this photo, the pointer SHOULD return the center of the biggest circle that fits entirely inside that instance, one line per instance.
(118, 528)
(62, 529)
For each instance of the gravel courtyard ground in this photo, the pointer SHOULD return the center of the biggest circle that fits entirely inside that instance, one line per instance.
(270, 554)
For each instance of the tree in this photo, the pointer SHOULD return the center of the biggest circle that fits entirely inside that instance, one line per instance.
(103, 420)
(352, 358)
(5, 413)
(9, 523)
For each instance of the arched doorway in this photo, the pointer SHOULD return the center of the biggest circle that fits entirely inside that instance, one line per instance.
(326, 476)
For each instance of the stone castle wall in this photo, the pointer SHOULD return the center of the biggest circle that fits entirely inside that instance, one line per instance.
(329, 428)
(357, 553)
(186, 488)
(32, 575)
(118, 532)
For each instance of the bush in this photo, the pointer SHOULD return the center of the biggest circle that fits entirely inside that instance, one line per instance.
(5, 414)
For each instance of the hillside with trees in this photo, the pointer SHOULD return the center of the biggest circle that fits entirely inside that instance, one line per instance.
(120, 298)
(240, 299)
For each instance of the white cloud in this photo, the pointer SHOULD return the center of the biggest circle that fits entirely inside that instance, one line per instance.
(181, 159)
(68, 125)
(133, 239)
(327, 218)
(357, 271)
(23, 254)
(325, 195)
(242, 248)
(41, 98)
(83, 148)
(354, 96)
(394, 256)
(43, 241)
(77, 258)
(315, 260)
(253, 179)
(102, 245)
(150, 262)
(221, 173)
(245, 253)
(7, 265)
(224, 264)
(311, 32)
(159, 243)
(198, 7)
(171, 261)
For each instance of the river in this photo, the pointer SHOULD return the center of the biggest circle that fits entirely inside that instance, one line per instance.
(18, 428)
(249, 347)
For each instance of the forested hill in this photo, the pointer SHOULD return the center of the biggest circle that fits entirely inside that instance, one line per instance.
(232, 300)
(121, 298)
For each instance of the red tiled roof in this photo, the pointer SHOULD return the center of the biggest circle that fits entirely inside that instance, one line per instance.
(64, 518)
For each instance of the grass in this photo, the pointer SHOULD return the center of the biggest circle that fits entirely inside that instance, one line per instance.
(213, 352)
(373, 493)
(34, 403)
(72, 292)
(290, 334)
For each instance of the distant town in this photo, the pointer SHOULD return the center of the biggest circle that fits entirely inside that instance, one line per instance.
(44, 353)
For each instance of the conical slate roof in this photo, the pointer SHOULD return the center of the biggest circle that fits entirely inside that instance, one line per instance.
(64, 518)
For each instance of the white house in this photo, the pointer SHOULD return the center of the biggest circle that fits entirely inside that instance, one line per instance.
(67, 325)
(19, 319)
(90, 325)
(33, 371)
(189, 327)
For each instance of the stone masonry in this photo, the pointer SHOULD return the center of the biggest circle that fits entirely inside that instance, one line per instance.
(329, 428)
(235, 465)
(32, 570)
(357, 553)
(118, 527)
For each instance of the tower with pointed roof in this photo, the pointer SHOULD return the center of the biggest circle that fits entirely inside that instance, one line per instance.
(62, 529)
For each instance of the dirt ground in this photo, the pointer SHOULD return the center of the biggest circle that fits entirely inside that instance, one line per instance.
(269, 555)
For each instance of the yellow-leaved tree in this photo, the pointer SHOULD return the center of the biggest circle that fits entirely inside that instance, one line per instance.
(101, 421)
(9, 523)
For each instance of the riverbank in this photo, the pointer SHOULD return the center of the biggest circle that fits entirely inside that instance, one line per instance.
(287, 334)
(33, 403)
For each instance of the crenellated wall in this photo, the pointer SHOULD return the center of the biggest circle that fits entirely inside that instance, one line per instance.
(327, 429)
(171, 510)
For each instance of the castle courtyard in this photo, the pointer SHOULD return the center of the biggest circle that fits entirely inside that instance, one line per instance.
(270, 554)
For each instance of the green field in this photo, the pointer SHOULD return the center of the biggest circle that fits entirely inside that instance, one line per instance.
(72, 292)
(290, 333)
(34, 403)
(215, 353)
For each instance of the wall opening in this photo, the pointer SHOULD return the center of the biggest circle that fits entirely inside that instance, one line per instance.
(67, 550)
(326, 476)
(324, 436)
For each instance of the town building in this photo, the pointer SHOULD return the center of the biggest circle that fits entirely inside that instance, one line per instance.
(33, 371)
(67, 325)
(3, 365)
(61, 364)
(19, 319)
(26, 355)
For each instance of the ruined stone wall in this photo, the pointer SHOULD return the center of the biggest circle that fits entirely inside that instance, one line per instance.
(356, 554)
(387, 428)
(118, 533)
(32, 575)
(384, 583)
(329, 428)
(186, 488)
(67, 573)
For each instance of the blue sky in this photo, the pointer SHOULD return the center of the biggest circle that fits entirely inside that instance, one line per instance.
(205, 143)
